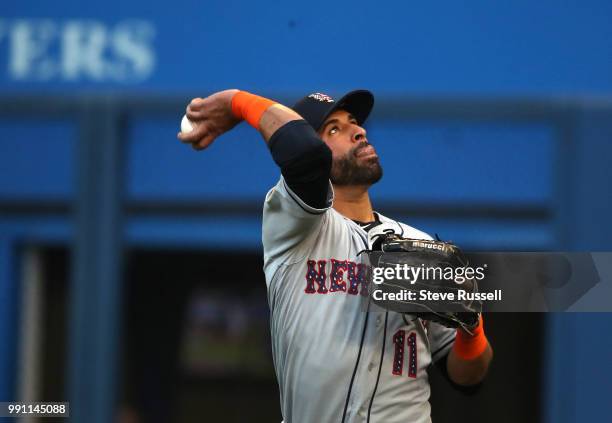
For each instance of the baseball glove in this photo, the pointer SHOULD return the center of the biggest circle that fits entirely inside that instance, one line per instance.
(433, 271)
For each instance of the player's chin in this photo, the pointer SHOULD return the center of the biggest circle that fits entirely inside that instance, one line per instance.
(375, 171)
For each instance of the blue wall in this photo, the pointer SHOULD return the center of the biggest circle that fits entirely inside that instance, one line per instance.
(470, 47)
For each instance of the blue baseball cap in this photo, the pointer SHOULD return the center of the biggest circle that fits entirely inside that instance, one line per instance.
(317, 107)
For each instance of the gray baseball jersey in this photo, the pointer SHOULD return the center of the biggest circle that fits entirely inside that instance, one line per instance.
(334, 361)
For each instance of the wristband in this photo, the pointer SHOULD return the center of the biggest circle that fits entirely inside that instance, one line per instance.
(250, 107)
(469, 346)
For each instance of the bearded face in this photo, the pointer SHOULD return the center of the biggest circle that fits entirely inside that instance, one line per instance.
(360, 166)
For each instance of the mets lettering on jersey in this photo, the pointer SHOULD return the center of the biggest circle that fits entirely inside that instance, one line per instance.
(317, 274)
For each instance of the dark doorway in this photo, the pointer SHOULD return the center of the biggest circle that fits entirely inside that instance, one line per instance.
(196, 339)
(512, 391)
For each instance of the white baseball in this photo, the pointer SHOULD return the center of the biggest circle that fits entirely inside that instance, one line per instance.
(186, 125)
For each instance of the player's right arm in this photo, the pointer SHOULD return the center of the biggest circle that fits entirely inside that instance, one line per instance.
(294, 207)
(215, 115)
(304, 160)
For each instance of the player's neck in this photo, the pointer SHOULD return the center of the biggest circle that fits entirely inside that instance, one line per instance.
(353, 202)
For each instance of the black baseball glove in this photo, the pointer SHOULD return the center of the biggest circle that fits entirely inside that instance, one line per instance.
(434, 272)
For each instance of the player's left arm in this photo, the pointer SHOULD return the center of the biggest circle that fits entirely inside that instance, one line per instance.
(469, 359)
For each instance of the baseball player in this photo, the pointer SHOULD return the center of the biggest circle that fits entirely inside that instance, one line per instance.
(334, 362)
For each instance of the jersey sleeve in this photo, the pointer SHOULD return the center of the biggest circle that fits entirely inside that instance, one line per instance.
(441, 340)
(288, 222)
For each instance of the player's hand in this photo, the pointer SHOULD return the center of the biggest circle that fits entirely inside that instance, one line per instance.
(211, 117)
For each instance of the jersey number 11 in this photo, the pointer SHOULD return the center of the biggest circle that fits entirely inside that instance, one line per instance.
(398, 356)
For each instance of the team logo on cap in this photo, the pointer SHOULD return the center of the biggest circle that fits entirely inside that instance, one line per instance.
(321, 97)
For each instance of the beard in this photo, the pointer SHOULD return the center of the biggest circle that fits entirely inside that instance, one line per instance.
(350, 170)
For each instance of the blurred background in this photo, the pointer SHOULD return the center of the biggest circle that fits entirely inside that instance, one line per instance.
(130, 265)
